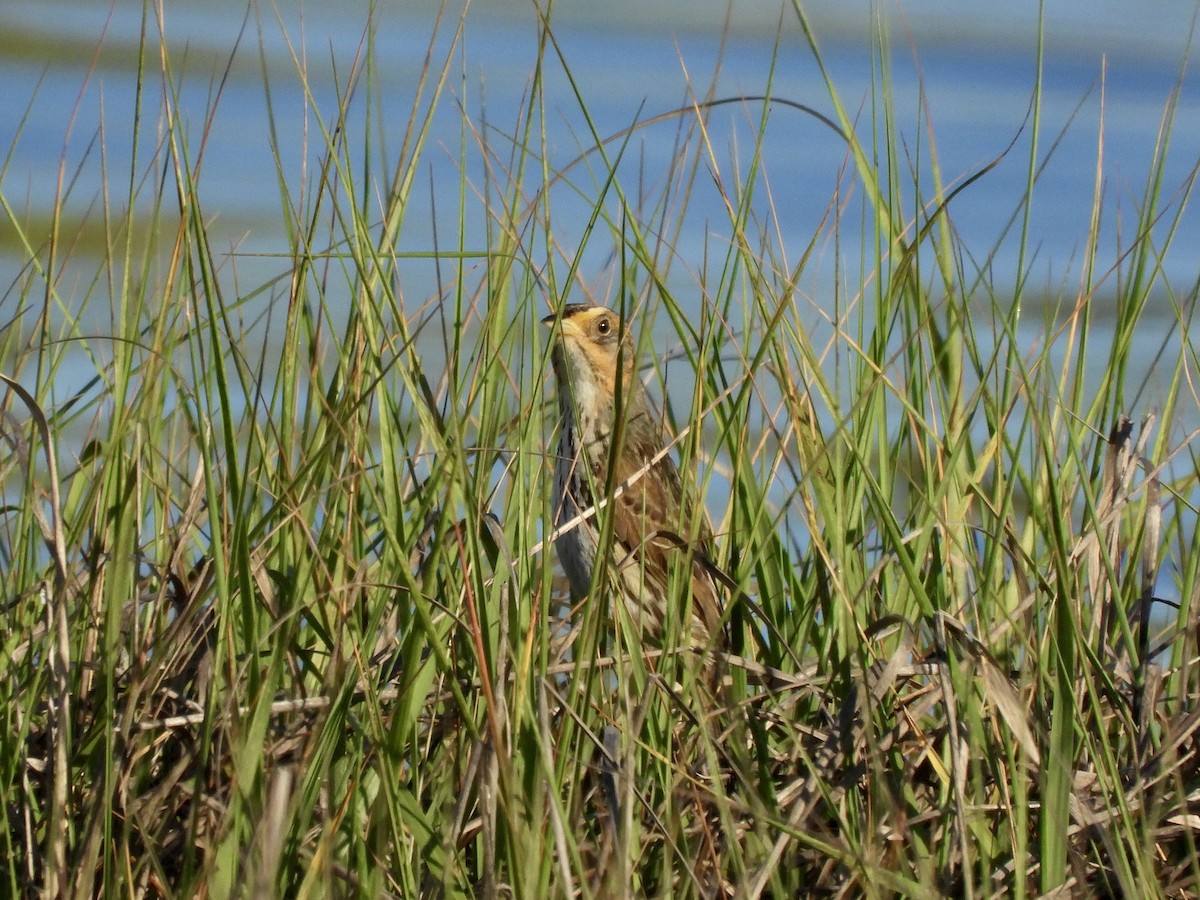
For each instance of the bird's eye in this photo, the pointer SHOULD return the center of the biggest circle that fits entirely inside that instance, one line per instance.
(603, 327)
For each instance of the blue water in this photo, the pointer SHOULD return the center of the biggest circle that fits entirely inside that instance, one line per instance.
(1108, 77)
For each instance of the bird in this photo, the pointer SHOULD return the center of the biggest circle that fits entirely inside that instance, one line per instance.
(612, 451)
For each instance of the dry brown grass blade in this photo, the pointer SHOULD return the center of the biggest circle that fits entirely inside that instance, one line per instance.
(272, 833)
(1147, 678)
(956, 740)
(58, 879)
(1114, 484)
(996, 685)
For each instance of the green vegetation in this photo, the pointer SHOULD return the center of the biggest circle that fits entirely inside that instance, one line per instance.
(277, 619)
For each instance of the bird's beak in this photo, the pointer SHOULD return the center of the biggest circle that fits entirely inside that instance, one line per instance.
(567, 326)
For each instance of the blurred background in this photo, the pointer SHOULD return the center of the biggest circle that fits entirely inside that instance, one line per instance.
(70, 72)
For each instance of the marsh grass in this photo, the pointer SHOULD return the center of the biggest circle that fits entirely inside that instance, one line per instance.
(278, 616)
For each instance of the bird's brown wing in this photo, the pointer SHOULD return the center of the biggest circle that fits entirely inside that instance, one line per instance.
(656, 505)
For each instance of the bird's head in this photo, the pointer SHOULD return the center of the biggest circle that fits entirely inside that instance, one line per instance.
(592, 345)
